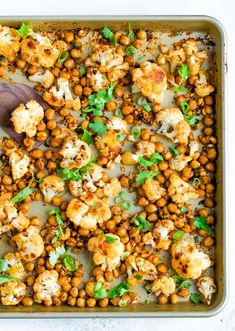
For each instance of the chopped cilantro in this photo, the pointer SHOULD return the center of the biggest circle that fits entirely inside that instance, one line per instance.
(63, 57)
(109, 35)
(99, 291)
(184, 107)
(131, 50)
(23, 30)
(202, 223)
(183, 71)
(69, 263)
(119, 290)
(6, 279)
(98, 127)
(174, 151)
(86, 136)
(121, 137)
(190, 119)
(130, 32)
(178, 88)
(122, 202)
(142, 224)
(183, 210)
(144, 175)
(3, 265)
(181, 282)
(195, 298)
(82, 70)
(144, 104)
(111, 239)
(139, 277)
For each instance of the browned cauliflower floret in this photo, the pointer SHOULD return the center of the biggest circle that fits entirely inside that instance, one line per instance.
(9, 43)
(46, 286)
(97, 79)
(175, 57)
(161, 233)
(179, 162)
(206, 286)
(203, 89)
(51, 186)
(46, 79)
(62, 96)
(20, 222)
(144, 148)
(107, 61)
(163, 285)
(15, 266)
(76, 153)
(38, 50)
(173, 125)
(88, 211)
(19, 162)
(139, 270)
(195, 58)
(112, 189)
(117, 124)
(12, 293)
(187, 260)
(107, 249)
(151, 80)
(180, 191)
(26, 117)
(194, 147)
(29, 243)
(153, 189)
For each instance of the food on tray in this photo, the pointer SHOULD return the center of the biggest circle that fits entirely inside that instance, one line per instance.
(125, 171)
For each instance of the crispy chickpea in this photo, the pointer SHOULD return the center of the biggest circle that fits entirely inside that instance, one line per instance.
(124, 181)
(27, 301)
(7, 180)
(75, 281)
(159, 147)
(69, 36)
(63, 296)
(172, 207)
(36, 153)
(209, 100)
(71, 301)
(91, 302)
(24, 208)
(183, 293)
(42, 135)
(51, 165)
(111, 225)
(74, 292)
(104, 302)
(21, 64)
(162, 267)
(203, 159)
(29, 266)
(162, 299)
(174, 298)
(81, 302)
(145, 134)
(30, 280)
(167, 155)
(161, 202)
(143, 202)
(127, 110)
(151, 208)
(51, 125)
(208, 241)
(124, 40)
(56, 201)
(210, 166)
(49, 114)
(75, 53)
(111, 105)
(209, 203)
(78, 89)
(187, 172)
(118, 92)
(163, 166)
(89, 288)
(212, 154)
(142, 35)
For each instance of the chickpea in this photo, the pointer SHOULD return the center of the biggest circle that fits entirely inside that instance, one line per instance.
(91, 302)
(209, 100)
(172, 207)
(41, 261)
(145, 134)
(161, 178)
(36, 153)
(71, 301)
(125, 40)
(104, 302)
(42, 136)
(51, 125)
(27, 301)
(111, 225)
(161, 202)
(51, 165)
(64, 296)
(167, 156)
(208, 242)
(174, 298)
(212, 154)
(7, 180)
(69, 36)
(151, 208)
(187, 172)
(75, 53)
(49, 114)
(29, 266)
(111, 105)
(162, 299)
(30, 280)
(32, 70)
(184, 293)
(89, 288)
(195, 164)
(163, 166)
(78, 89)
(75, 282)
(159, 147)
(162, 267)
(56, 201)
(74, 292)
(142, 35)
(161, 59)
(143, 202)
(124, 181)
(127, 110)
(24, 208)
(81, 302)
(203, 159)
(209, 203)
(118, 92)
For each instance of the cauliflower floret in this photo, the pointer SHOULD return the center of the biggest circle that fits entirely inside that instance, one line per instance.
(175, 57)
(15, 266)
(46, 286)
(19, 163)
(26, 117)
(97, 79)
(151, 80)
(143, 268)
(61, 96)
(30, 243)
(164, 285)
(51, 186)
(180, 191)
(179, 162)
(46, 79)
(107, 250)
(153, 189)
(12, 293)
(76, 153)
(161, 233)
(144, 148)
(203, 89)
(194, 58)
(194, 147)
(87, 211)
(173, 125)
(113, 188)
(117, 124)
(20, 222)
(9, 43)
(187, 260)
(206, 286)
(38, 50)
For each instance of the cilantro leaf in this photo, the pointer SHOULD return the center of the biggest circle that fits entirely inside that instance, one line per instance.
(181, 282)
(3, 265)
(99, 291)
(178, 235)
(86, 136)
(142, 224)
(98, 127)
(111, 239)
(174, 151)
(145, 163)
(202, 223)
(119, 290)
(135, 131)
(82, 70)
(181, 89)
(109, 35)
(190, 119)
(69, 263)
(22, 195)
(68, 174)
(147, 106)
(131, 50)
(183, 210)
(195, 298)
(144, 175)
(184, 107)
(130, 33)
(23, 30)
(63, 57)
(6, 279)
(183, 71)
(154, 159)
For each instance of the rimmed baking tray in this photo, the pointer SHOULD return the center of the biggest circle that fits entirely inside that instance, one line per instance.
(216, 31)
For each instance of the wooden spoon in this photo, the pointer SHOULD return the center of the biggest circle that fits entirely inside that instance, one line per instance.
(11, 95)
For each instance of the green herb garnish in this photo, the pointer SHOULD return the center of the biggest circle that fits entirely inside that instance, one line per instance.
(144, 175)
(6, 279)
(119, 290)
(142, 224)
(184, 107)
(130, 32)
(86, 136)
(181, 283)
(131, 50)
(76, 174)
(178, 88)
(3, 265)
(142, 102)
(122, 202)
(111, 239)
(202, 223)
(195, 298)
(60, 222)
(99, 291)
(26, 191)
(174, 151)
(63, 57)
(190, 119)
(98, 127)
(154, 159)
(69, 263)
(178, 235)
(183, 71)
(23, 30)
(139, 277)
(82, 70)
(109, 35)
(135, 131)
(183, 210)
(121, 137)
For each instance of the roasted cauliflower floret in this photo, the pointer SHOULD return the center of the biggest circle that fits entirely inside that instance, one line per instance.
(19, 162)
(9, 43)
(195, 58)
(153, 189)
(46, 79)
(46, 286)
(30, 243)
(173, 125)
(206, 286)
(20, 222)
(151, 80)
(25, 118)
(107, 250)
(97, 79)
(117, 124)
(87, 211)
(180, 191)
(112, 189)
(194, 147)
(139, 270)
(144, 148)
(187, 260)
(51, 186)
(15, 266)
(12, 293)
(161, 233)
(203, 89)
(62, 96)
(179, 162)
(164, 285)
(76, 153)
(175, 57)
(38, 50)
